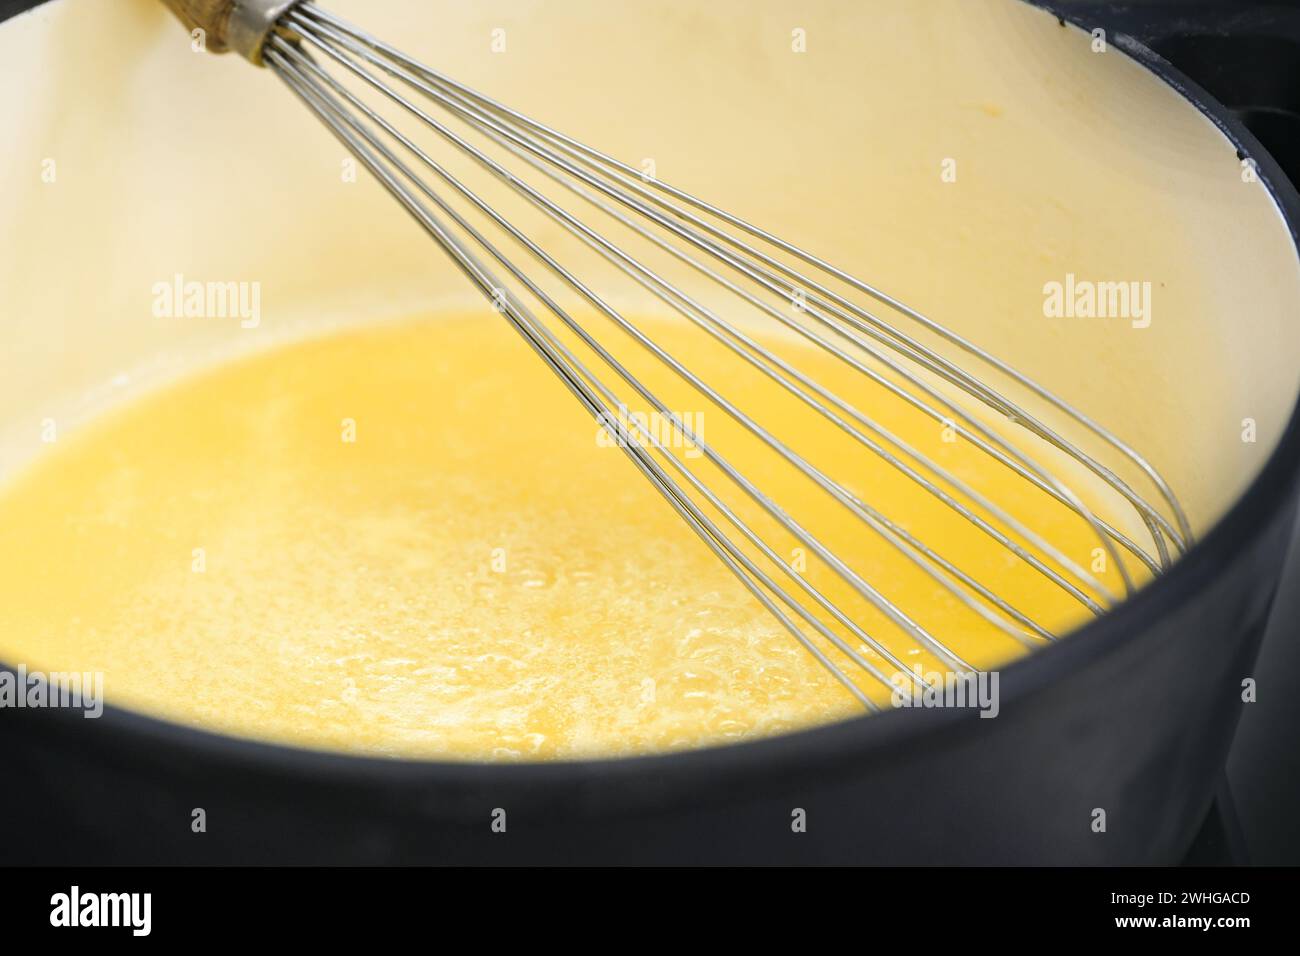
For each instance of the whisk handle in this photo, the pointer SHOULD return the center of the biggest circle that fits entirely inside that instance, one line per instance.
(238, 25)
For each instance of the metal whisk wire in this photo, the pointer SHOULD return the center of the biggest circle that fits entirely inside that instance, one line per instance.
(324, 60)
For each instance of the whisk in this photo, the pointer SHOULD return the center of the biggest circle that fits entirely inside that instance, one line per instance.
(359, 86)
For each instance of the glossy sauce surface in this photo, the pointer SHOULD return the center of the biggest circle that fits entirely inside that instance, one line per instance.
(411, 540)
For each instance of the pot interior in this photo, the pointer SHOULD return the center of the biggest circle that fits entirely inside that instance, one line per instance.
(965, 156)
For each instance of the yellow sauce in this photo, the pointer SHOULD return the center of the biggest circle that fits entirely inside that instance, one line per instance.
(410, 540)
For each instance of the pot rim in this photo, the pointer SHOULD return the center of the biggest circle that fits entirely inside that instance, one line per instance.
(821, 749)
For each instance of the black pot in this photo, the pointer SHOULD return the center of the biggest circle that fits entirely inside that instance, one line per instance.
(1134, 715)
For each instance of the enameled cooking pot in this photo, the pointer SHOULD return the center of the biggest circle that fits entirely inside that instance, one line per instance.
(1071, 159)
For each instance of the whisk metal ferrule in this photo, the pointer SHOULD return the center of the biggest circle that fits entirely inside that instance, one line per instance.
(241, 26)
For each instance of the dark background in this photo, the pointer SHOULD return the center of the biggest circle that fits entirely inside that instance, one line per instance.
(1246, 53)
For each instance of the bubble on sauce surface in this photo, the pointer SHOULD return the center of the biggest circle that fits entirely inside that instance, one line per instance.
(474, 578)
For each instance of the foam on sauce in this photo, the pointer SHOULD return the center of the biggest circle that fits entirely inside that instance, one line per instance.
(475, 576)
